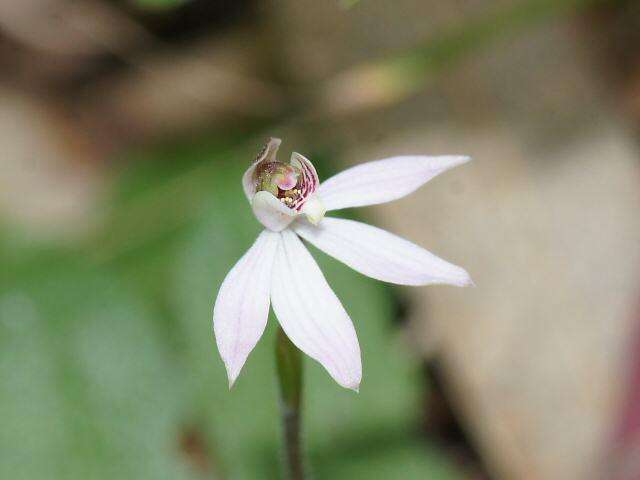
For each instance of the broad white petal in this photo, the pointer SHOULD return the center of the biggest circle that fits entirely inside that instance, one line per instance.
(383, 180)
(311, 315)
(242, 306)
(271, 212)
(379, 254)
(268, 152)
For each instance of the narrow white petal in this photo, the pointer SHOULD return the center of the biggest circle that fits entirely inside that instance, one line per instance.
(242, 306)
(383, 180)
(379, 254)
(311, 314)
(272, 213)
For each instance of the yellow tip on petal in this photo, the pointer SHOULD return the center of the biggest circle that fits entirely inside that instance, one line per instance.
(314, 209)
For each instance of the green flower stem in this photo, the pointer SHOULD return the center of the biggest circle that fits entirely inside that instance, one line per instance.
(289, 366)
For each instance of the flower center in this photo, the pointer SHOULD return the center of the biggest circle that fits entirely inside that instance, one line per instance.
(283, 181)
(293, 184)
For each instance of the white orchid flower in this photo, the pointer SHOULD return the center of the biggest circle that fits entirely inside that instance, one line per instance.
(290, 202)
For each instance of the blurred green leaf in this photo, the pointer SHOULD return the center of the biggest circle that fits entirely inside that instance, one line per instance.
(407, 461)
(347, 4)
(159, 4)
(88, 389)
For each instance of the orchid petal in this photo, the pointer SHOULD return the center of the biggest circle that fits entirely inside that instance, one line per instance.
(309, 183)
(242, 306)
(271, 212)
(307, 168)
(381, 181)
(311, 315)
(267, 153)
(379, 254)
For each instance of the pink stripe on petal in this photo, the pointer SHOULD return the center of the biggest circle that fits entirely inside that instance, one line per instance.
(310, 179)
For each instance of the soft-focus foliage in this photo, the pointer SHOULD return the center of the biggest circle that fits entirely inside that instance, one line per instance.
(159, 4)
(108, 366)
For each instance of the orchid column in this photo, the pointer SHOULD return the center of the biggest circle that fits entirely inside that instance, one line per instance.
(289, 201)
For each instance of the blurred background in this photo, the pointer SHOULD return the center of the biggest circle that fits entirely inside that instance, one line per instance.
(125, 126)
